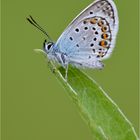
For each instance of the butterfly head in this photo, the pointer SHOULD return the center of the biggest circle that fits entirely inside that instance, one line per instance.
(47, 46)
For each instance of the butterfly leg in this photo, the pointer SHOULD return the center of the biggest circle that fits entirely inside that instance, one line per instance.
(51, 66)
(66, 72)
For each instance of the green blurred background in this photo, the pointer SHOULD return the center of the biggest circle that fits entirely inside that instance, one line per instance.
(34, 104)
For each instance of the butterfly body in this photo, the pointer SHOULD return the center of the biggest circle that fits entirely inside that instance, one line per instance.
(64, 58)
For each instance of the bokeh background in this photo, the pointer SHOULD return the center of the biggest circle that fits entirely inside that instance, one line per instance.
(34, 104)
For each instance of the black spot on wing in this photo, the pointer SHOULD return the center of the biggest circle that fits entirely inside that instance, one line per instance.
(71, 38)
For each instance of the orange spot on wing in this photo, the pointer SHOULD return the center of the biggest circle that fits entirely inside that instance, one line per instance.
(105, 36)
(103, 43)
(104, 29)
(100, 23)
(93, 21)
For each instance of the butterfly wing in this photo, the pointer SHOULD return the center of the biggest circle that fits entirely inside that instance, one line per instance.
(91, 35)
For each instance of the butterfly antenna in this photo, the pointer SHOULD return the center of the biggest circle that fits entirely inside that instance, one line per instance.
(34, 23)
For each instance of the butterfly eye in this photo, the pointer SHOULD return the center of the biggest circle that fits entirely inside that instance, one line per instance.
(49, 45)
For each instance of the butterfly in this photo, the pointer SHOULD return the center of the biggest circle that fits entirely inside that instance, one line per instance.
(88, 39)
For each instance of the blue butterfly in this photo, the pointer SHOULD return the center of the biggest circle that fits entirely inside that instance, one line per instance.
(89, 38)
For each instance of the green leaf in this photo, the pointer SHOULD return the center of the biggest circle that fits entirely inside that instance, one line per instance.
(103, 116)
(106, 120)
